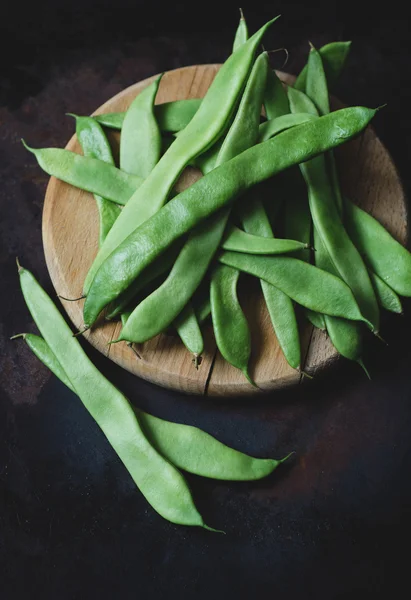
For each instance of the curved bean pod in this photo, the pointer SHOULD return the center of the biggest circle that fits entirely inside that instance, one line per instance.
(140, 141)
(95, 145)
(241, 34)
(189, 331)
(159, 481)
(87, 173)
(346, 336)
(334, 56)
(386, 257)
(316, 84)
(344, 255)
(280, 307)
(238, 240)
(185, 446)
(269, 129)
(203, 309)
(275, 97)
(207, 125)
(171, 116)
(213, 191)
(317, 90)
(230, 325)
(386, 296)
(316, 319)
(305, 284)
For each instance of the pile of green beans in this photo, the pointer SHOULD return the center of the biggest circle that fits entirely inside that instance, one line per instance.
(157, 249)
(169, 260)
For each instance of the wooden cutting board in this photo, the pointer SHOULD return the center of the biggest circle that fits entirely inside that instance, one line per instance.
(70, 236)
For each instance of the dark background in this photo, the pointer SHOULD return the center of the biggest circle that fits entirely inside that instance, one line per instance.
(337, 519)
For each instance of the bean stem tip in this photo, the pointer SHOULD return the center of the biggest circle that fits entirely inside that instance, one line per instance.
(18, 335)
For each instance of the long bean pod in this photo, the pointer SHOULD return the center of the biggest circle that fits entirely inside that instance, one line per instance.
(185, 446)
(86, 173)
(386, 257)
(94, 143)
(140, 141)
(334, 56)
(238, 240)
(305, 284)
(159, 481)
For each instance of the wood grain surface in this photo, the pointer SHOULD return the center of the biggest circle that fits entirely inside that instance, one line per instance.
(70, 238)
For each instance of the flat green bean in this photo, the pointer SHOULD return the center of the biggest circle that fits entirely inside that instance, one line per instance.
(327, 221)
(230, 325)
(140, 141)
(316, 319)
(280, 307)
(334, 56)
(189, 331)
(238, 240)
(95, 145)
(171, 116)
(317, 90)
(386, 297)
(214, 191)
(206, 127)
(305, 284)
(275, 97)
(346, 336)
(185, 446)
(241, 34)
(90, 174)
(159, 481)
(386, 257)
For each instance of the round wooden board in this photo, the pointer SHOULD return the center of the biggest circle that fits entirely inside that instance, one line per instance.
(70, 235)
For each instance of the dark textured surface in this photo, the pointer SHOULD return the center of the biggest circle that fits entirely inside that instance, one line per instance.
(72, 525)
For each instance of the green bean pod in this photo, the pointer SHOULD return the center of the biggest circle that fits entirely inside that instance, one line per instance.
(316, 319)
(186, 447)
(316, 84)
(206, 127)
(159, 481)
(238, 240)
(94, 144)
(334, 56)
(207, 161)
(344, 255)
(275, 97)
(203, 309)
(230, 325)
(189, 331)
(280, 307)
(140, 141)
(305, 284)
(269, 129)
(346, 336)
(241, 34)
(214, 191)
(386, 257)
(197, 253)
(317, 90)
(386, 297)
(90, 174)
(171, 116)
